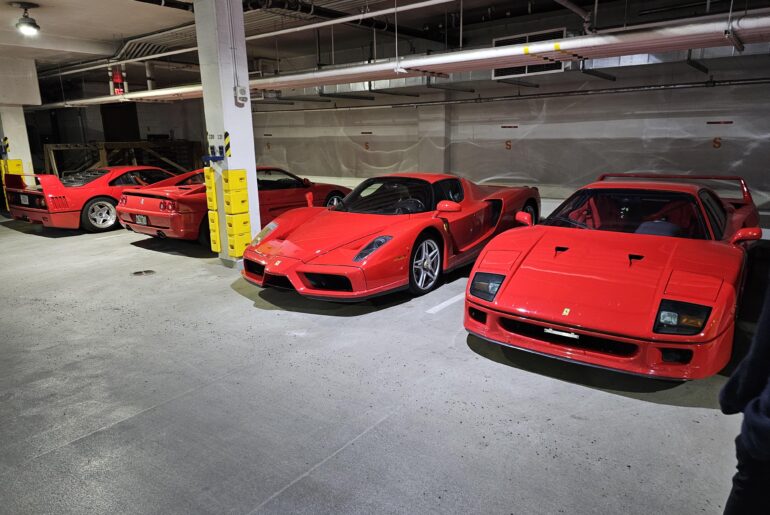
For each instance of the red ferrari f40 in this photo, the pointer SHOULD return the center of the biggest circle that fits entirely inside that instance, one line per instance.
(640, 273)
(84, 200)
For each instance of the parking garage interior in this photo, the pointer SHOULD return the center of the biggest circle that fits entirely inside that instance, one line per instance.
(147, 374)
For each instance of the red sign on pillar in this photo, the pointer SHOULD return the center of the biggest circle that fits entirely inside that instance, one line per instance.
(117, 81)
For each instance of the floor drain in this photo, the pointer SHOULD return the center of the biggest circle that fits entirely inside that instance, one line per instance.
(144, 272)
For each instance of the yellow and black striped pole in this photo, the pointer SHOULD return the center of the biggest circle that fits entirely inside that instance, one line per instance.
(228, 152)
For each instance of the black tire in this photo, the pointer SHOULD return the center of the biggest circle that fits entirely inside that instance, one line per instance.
(332, 198)
(99, 214)
(420, 284)
(204, 233)
(531, 208)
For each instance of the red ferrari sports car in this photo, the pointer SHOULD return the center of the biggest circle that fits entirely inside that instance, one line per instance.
(177, 208)
(639, 273)
(394, 232)
(84, 200)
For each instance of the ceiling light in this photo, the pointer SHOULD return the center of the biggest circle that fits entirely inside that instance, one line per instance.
(26, 25)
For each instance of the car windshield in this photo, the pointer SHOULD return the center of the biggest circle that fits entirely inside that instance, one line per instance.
(389, 196)
(660, 213)
(193, 179)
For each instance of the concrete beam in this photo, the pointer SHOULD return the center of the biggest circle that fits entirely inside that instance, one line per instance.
(13, 41)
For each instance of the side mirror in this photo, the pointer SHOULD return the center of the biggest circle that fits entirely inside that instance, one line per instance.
(746, 234)
(309, 198)
(524, 218)
(447, 206)
(306, 183)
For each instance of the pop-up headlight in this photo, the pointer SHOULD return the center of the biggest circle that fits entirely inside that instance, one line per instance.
(676, 317)
(485, 286)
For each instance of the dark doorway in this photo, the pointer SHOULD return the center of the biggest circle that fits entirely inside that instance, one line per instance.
(120, 122)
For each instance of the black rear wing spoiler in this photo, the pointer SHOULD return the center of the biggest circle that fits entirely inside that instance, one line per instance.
(667, 176)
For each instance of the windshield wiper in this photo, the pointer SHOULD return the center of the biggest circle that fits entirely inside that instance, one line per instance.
(570, 221)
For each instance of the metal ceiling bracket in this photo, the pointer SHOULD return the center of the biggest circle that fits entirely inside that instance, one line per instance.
(697, 65)
(346, 96)
(519, 82)
(733, 38)
(596, 73)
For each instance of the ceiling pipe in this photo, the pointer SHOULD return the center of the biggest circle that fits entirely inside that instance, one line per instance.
(353, 18)
(300, 6)
(536, 96)
(752, 29)
(175, 4)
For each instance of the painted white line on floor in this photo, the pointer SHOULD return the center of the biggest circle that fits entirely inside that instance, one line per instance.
(107, 237)
(446, 304)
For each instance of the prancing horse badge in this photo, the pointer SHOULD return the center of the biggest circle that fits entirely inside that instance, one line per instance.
(565, 312)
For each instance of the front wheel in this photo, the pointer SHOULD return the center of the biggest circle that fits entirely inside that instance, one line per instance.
(425, 266)
(99, 214)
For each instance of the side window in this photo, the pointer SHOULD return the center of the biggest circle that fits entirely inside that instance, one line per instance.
(449, 189)
(274, 179)
(140, 178)
(127, 179)
(150, 176)
(715, 212)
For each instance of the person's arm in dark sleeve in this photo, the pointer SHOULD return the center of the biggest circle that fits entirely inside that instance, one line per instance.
(755, 434)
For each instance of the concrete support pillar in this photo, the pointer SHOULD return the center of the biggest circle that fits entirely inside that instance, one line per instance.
(18, 87)
(433, 124)
(226, 99)
(13, 127)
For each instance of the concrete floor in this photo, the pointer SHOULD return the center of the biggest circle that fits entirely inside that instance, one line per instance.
(187, 390)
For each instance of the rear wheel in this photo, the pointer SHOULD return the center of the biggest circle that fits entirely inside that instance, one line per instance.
(99, 214)
(425, 265)
(333, 199)
(204, 233)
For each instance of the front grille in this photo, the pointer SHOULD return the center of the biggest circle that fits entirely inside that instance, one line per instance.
(253, 267)
(278, 281)
(586, 342)
(329, 282)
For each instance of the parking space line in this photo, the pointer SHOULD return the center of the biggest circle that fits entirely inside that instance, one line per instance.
(445, 304)
(110, 236)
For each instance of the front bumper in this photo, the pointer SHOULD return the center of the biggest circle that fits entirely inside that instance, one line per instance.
(281, 272)
(60, 220)
(630, 355)
(183, 226)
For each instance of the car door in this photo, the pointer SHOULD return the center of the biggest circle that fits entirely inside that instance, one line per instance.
(279, 191)
(466, 225)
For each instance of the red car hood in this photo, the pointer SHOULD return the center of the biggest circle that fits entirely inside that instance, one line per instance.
(606, 281)
(327, 231)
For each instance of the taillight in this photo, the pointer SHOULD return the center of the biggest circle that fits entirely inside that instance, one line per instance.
(167, 205)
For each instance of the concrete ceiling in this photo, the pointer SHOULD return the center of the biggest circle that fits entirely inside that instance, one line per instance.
(82, 29)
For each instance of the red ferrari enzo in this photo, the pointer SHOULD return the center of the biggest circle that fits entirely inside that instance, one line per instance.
(84, 200)
(640, 274)
(176, 208)
(394, 232)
